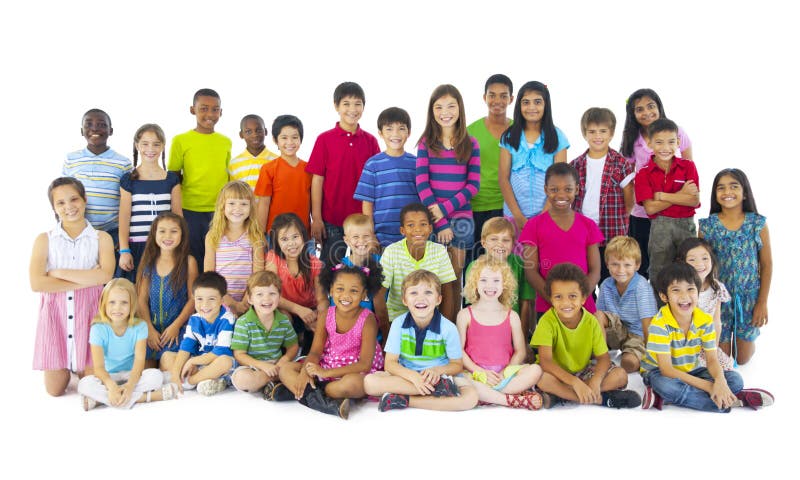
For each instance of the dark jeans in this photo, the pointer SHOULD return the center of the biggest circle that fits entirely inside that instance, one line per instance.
(198, 228)
(639, 229)
(333, 247)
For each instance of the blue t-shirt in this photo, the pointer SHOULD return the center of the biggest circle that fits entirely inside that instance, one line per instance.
(636, 303)
(203, 337)
(118, 351)
(433, 346)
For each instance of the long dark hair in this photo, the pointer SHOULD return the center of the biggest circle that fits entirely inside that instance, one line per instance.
(432, 136)
(513, 134)
(692, 243)
(281, 222)
(632, 127)
(748, 201)
(152, 252)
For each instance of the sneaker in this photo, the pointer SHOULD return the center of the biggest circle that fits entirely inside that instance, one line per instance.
(445, 387)
(87, 403)
(651, 399)
(393, 401)
(549, 400)
(277, 392)
(621, 399)
(211, 387)
(755, 398)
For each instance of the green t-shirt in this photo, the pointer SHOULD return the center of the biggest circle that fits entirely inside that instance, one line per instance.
(572, 348)
(249, 335)
(524, 289)
(489, 196)
(203, 160)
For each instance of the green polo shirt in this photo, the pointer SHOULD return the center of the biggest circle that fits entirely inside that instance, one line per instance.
(249, 335)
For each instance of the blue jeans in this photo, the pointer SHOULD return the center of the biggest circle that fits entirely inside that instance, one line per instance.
(333, 247)
(676, 392)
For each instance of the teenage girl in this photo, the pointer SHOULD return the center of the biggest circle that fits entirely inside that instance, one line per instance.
(448, 176)
(143, 193)
(740, 239)
(492, 338)
(69, 266)
(642, 108)
(234, 243)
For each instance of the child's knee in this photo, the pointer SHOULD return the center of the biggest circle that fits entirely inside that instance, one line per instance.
(468, 397)
(617, 378)
(224, 362)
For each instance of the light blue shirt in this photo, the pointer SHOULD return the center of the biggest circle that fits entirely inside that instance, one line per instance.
(100, 176)
(118, 351)
(419, 349)
(636, 303)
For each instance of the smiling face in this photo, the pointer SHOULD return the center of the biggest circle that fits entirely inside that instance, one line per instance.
(96, 128)
(168, 235)
(118, 306)
(395, 136)
(664, 145)
(567, 299)
(253, 133)
(598, 136)
(207, 110)
(360, 239)
(421, 300)
(490, 284)
(532, 106)
(498, 245)
(729, 192)
(700, 259)
(646, 111)
(288, 141)
(682, 298)
(350, 110)
(68, 204)
(207, 302)
(150, 147)
(498, 98)
(560, 191)
(416, 228)
(264, 299)
(622, 270)
(237, 210)
(445, 112)
(347, 291)
(290, 241)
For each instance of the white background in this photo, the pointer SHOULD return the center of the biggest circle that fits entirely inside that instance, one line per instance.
(725, 73)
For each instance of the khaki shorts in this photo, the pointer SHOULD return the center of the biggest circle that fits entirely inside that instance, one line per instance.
(619, 338)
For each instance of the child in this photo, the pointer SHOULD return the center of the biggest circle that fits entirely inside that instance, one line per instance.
(605, 189)
(336, 163)
(201, 157)
(99, 169)
(699, 254)
(423, 354)
(740, 239)
(559, 234)
(626, 303)
(493, 340)
(234, 243)
(345, 347)
(144, 192)
(527, 148)
(388, 182)
(164, 281)
(667, 187)
(247, 165)
(301, 295)
(69, 266)
(676, 336)
(448, 176)
(205, 354)
(642, 108)
(284, 185)
(118, 343)
(261, 334)
(568, 336)
(414, 252)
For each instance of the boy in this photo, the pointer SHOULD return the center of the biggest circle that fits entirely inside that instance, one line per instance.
(676, 337)
(260, 335)
(667, 188)
(201, 156)
(205, 353)
(284, 185)
(336, 163)
(567, 337)
(605, 189)
(247, 164)
(99, 169)
(488, 202)
(626, 303)
(414, 252)
(388, 182)
(423, 353)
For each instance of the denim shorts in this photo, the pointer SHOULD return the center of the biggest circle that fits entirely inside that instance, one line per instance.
(463, 233)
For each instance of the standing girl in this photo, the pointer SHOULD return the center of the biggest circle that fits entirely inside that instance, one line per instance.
(740, 239)
(164, 281)
(69, 266)
(234, 243)
(345, 346)
(448, 176)
(642, 108)
(143, 193)
(527, 148)
(492, 338)
(118, 343)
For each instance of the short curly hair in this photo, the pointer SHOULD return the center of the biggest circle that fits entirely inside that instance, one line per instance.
(509, 295)
(566, 272)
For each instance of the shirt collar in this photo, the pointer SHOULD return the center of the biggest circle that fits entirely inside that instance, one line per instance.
(87, 231)
(670, 320)
(342, 132)
(435, 326)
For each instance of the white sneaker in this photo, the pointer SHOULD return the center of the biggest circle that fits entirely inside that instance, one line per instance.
(211, 387)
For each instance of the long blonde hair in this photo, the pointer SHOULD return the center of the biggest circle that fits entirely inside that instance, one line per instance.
(219, 223)
(124, 284)
(509, 295)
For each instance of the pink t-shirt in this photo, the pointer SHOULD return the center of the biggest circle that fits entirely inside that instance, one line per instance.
(641, 157)
(558, 246)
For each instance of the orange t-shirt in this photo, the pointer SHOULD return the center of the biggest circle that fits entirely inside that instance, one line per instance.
(289, 187)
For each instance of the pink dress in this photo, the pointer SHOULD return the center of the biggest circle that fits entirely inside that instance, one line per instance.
(490, 346)
(342, 349)
(558, 246)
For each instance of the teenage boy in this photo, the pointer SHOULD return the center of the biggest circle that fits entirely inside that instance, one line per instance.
(246, 165)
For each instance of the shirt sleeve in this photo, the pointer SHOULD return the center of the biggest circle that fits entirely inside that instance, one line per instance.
(387, 266)
(394, 336)
(543, 334)
(599, 346)
(241, 336)
(141, 331)
(175, 163)
(472, 185)
(647, 300)
(318, 160)
(98, 335)
(224, 335)
(452, 342)
(189, 343)
(642, 188)
(264, 182)
(593, 233)
(563, 143)
(658, 341)
(423, 180)
(291, 337)
(365, 190)
(601, 296)
(444, 267)
(528, 235)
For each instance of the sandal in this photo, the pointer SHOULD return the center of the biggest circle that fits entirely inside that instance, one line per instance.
(527, 400)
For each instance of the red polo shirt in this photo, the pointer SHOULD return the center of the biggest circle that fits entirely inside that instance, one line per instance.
(651, 179)
(339, 156)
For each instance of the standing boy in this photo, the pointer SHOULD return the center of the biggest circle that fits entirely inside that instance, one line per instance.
(336, 163)
(201, 156)
(247, 164)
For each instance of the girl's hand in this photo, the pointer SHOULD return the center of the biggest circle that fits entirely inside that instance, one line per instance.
(313, 370)
(760, 314)
(126, 392)
(229, 302)
(126, 261)
(308, 316)
(169, 337)
(114, 395)
(445, 236)
(520, 220)
(300, 385)
(721, 395)
(318, 230)
(153, 339)
(436, 212)
(493, 378)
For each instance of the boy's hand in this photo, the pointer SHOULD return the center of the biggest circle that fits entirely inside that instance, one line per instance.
(430, 376)
(445, 236)
(422, 386)
(594, 384)
(268, 368)
(584, 392)
(721, 395)
(189, 369)
(153, 339)
(126, 261)
(169, 336)
(689, 188)
(760, 314)
(318, 230)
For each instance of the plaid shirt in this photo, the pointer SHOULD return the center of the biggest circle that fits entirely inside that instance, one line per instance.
(613, 217)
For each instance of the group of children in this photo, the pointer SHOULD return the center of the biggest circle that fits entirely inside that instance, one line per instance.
(371, 314)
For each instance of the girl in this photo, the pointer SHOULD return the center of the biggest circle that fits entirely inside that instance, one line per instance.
(118, 342)
(699, 254)
(234, 243)
(530, 145)
(69, 266)
(301, 294)
(164, 280)
(448, 176)
(740, 239)
(492, 338)
(642, 108)
(345, 346)
(559, 234)
(143, 193)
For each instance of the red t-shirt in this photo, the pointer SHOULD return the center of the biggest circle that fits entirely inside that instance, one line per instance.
(651, 179)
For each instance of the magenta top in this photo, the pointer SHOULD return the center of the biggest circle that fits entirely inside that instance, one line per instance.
(490, 346)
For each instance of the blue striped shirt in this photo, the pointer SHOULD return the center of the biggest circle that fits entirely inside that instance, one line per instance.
(636, 303)
(148, 199)
(100, 176)
(419, 349)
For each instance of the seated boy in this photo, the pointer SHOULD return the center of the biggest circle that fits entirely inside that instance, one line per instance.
(205, 353)
(423, 353)
(567, 337)
(626, 303)
(605, 189)
(261, 334)
(414, 252)
(677, 335)
(246, 165)
(388, 181)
